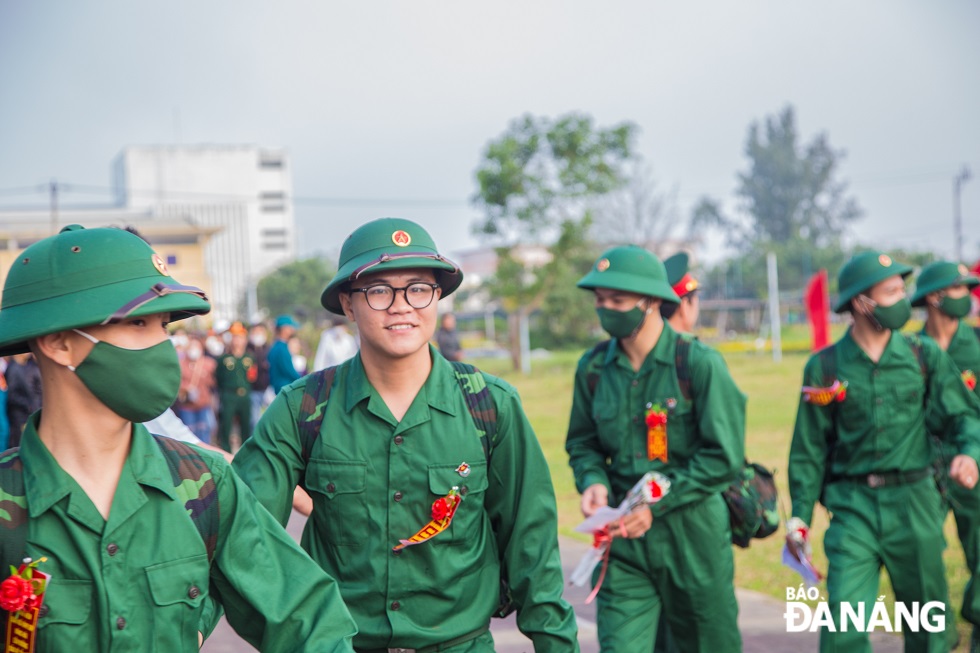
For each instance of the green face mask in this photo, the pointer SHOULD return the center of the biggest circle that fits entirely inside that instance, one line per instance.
(893, 317)
(958, 307)
(621, 324)
(136, 384)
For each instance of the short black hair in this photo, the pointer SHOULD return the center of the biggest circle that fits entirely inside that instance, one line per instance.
(667, 309)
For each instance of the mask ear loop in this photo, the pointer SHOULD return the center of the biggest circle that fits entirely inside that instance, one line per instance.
(646, 314)
(870, 314)
(92, 338)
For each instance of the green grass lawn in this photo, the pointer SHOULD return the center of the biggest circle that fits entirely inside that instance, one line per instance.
(773, 391)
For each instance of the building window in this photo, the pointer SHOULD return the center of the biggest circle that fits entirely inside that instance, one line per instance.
(274, 245)
(270, 162)
(274, 233)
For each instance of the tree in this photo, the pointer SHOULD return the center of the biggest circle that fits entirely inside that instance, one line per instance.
(790, 201)
(789, 191)
(639, 212)
(538, 182)
(295, 288)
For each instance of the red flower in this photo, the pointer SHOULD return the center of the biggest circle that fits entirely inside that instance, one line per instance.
(656, 416)
(970, 379)
(442, 507)
(16, 593)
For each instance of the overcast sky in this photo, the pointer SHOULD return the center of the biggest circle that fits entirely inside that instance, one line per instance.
(391, 103)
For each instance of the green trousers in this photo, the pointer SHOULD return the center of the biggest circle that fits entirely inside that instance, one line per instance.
(900, 528)
(234, 406)
(683, 567)
(965, 505)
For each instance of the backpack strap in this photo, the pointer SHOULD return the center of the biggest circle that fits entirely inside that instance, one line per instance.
(189, 471)
(194, 483)
(13, 509)
(596, 358)
(316, 393)
(915, 342)
(681, 355)
(480, 403)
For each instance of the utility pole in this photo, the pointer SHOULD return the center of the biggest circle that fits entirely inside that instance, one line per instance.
(53, 191)
(958, 181)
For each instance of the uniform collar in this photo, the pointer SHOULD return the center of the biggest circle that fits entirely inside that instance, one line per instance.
(850, 349)
(46, 483)
(662, 352)
(439, 390)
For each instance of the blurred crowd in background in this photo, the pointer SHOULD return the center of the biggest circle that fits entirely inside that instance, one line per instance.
(229, 374)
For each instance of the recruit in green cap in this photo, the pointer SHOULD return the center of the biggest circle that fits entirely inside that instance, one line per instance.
(630, 268)
(388, 244)
(82, 277)
(678, 276)
(863, 271)
(940, 275)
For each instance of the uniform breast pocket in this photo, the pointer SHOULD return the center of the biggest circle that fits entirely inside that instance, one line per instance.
(681, 430)
(855, 411)
(470, 515)
(178, 589)
(609, 428)
(338, 488)
(65, 615)
(906, 404)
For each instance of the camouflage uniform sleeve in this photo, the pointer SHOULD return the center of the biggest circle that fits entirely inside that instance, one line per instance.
(274, 595)
(271, 461)
(525, 524)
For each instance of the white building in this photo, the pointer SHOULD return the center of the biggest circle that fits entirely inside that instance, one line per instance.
(243, 190)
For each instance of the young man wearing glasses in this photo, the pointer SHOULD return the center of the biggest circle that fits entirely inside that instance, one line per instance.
(419, 513)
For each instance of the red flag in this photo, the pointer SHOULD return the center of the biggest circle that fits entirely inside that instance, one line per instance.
(976, 270)
(817, 303)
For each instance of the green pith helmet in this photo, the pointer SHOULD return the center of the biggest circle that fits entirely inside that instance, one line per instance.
(862, 272)
(388, 244)
(939, 275)
(630, 268)
(82, 277)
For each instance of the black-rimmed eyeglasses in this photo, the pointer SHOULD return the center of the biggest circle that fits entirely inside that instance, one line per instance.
(381, 296)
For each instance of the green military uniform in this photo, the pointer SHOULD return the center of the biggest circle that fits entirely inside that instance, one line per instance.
(867, 459)
(683, 566)
(232, 380)
(141, 578)
(374, 480)
(964, 349)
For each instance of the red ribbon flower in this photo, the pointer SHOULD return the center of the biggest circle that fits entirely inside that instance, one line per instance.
(656, 416)
(15, 592)
(23, 589)
(970, 379)
(443, 507)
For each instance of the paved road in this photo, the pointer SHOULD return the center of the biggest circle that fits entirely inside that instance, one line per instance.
(760, 620)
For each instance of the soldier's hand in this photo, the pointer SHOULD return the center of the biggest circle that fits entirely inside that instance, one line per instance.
(634, 525)
(798, 538)
(963, 470)
(594, 497)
